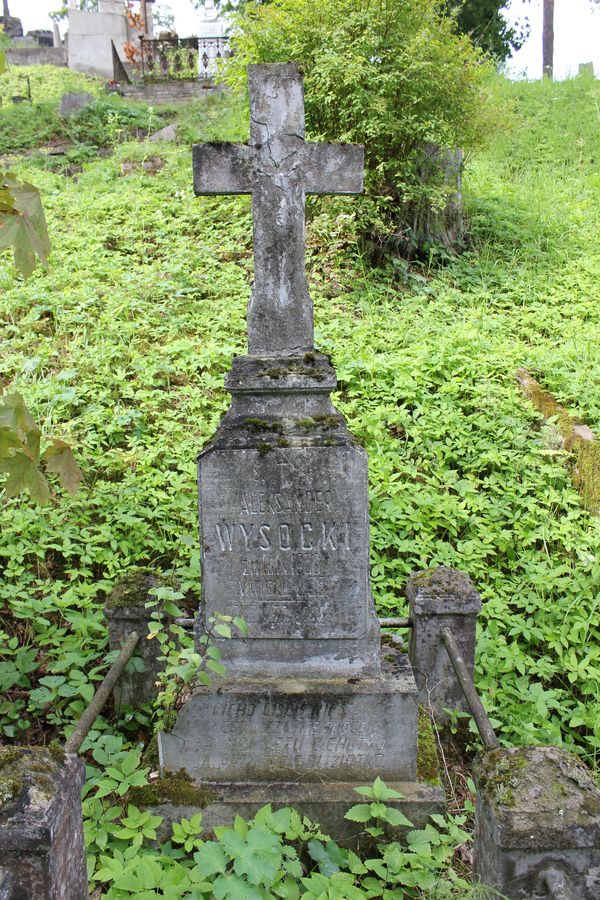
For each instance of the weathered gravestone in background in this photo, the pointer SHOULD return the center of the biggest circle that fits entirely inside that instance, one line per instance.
(284, 516)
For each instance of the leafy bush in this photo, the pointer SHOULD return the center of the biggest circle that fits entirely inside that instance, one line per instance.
(107, 121)
(390, 75)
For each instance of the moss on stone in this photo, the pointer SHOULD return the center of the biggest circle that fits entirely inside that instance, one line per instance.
(28, 767)
(271, 373)
(310, 358)
(257, 426)
(586, 452)
(320, 420)
(283, 442)
(264, 448)
(133, 589)
(171, 788)
(427, 758)
(587, 472)
(499, 776)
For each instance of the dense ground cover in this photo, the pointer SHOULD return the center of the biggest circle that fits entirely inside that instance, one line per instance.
(122, 345)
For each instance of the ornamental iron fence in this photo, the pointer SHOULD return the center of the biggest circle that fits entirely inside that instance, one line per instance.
(181, 59)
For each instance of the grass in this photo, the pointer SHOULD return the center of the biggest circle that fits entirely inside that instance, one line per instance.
(122, 345)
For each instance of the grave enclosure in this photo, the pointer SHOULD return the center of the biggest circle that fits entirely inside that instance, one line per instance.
(313, 704)
(309, 699)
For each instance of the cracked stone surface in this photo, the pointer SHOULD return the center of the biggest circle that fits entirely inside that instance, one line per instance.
(278, 168)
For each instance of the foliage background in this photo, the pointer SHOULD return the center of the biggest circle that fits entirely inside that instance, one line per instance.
(120, 349)
(390, 74)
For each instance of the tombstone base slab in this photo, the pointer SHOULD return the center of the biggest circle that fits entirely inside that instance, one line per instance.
(298, 730)
(323, 802)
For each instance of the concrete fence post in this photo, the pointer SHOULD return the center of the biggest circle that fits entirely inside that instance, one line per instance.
(41, 827)
(126, 611)
(537, 825)
(441, 598)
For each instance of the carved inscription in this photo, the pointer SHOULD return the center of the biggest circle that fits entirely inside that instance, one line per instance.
(287, 543)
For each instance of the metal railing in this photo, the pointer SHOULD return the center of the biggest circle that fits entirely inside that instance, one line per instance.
(88, 718)
(484, 726)
(181, 59)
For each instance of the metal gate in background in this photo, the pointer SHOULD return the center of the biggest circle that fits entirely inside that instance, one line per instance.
(181, 59)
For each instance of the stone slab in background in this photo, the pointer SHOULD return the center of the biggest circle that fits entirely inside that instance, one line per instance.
(71, 104)
(41, 827)
(538, 818)
(168, 133)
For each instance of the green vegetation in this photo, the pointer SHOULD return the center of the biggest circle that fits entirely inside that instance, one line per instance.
(393, 76)
(120, 348)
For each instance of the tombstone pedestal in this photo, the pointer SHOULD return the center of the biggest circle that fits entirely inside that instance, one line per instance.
(308, 698)
(265, 730)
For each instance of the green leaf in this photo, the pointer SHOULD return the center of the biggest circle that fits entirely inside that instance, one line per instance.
(24, 226)
(23, 475)
(59, 458)
(328, 857)
(395, 817)
(359, 813)
(241, 625)
(223, 629)
(210, 859)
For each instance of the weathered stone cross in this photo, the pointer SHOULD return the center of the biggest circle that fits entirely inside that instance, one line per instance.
(278, 167)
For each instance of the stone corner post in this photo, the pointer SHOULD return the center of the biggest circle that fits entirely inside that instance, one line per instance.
(537, 824)
(441, 598)
(41, 826)
(126, 611)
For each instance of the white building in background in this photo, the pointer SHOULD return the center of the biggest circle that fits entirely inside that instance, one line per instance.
(211, 22)
(212, 29)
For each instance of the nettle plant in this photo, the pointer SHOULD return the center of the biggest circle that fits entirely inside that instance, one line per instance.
(185, 665)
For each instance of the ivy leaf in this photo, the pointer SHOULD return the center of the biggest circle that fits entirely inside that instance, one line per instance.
(59, 458)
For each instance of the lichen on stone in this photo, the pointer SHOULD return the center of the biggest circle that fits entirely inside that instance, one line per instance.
(28, 774)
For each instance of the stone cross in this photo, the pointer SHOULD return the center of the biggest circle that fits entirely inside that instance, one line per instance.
(278, 168)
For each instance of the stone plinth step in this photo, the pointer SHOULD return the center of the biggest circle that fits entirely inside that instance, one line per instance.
(323, 802)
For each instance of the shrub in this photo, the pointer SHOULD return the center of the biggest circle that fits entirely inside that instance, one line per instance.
(391, 75)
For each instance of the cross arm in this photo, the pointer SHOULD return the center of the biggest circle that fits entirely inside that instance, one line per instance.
(223, 168)
(334, 168)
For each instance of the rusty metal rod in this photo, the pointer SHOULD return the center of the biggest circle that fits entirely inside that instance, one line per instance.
(488, 735)
(88, 718)
(395, 622)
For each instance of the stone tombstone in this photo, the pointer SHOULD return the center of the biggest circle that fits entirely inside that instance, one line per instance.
(283, 486)
(284, 523)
